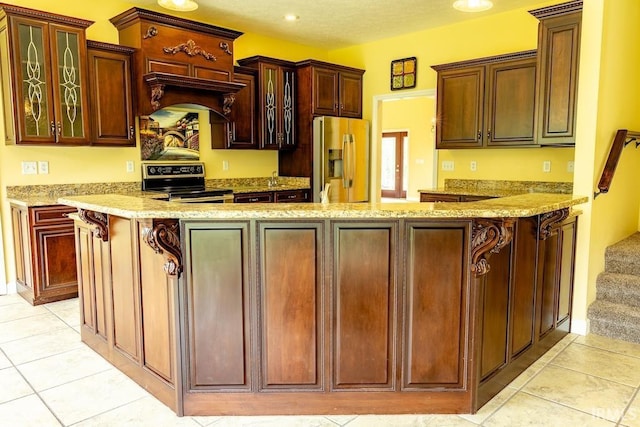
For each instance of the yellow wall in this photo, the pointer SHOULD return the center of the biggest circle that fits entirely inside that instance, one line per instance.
(493, 35)
(408, 115)
(609, 99)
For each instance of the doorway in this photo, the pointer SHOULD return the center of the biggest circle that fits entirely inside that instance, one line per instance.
(394, 163)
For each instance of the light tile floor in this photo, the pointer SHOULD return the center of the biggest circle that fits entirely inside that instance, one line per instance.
(49, 378)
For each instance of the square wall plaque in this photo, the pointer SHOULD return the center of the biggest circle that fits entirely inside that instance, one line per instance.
(403, 73)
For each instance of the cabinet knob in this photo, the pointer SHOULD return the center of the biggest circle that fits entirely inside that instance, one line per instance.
(59, 129)
(230, 136)
(479, 134)
(489, 134)
(132, 132)
(52, 127)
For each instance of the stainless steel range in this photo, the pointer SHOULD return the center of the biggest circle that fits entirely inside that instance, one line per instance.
(183, 182)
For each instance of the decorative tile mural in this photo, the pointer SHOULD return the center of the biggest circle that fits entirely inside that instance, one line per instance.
(170, 134)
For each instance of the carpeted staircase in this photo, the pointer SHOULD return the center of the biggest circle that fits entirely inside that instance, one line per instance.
(616, 311)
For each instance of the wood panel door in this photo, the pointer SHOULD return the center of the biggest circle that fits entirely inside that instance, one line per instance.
(559, 56)
(435, 306)
(242, 120)
(290, 286)
(56, 260)
(511, 93)
(395, 147)
(364, 289)
(217, 295)
(350, 94)
(325, 101)
(111, 98)
(568, 232)
(22, 246)
(460, 108)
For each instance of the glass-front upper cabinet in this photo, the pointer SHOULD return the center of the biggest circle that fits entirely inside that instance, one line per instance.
(47, 100)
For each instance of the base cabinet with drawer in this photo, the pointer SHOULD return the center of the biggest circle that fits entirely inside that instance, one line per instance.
(283, 196)
(45, 254)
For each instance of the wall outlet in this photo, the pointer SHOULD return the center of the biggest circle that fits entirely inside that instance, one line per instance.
(225, 165)
(130, 166)
(570, 166)
(473, 165)
(43, 167)
(546, 166)
(447, 165)
(29, 168)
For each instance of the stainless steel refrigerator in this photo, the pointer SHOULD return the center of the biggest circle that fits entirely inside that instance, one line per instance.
(341, 159)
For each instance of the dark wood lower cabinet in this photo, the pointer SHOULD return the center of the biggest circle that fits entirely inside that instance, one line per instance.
(44, 249)
(323, 316)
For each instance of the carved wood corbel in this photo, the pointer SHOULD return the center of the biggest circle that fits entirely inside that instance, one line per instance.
(157, 92)
(164, 238)
(225, 48)
(488, 237)
(549, 222)
(227, 101)
(99, 220)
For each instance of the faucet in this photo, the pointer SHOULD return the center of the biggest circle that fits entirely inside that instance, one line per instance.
(273, 181)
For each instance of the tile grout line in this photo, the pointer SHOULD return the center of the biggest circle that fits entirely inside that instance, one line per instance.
(567, 406)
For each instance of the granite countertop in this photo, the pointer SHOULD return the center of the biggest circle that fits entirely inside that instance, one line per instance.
(47, 195)
(494, 188)
(523, 205)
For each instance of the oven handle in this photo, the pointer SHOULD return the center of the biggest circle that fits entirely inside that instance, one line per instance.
(227, 198)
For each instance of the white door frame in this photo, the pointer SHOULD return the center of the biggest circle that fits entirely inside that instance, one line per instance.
(376, 139)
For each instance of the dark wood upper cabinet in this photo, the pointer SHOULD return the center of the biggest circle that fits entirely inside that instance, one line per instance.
(276, 101)
(487, 102)
(239, 130)
(111, 96)
(331, 90)
(558, 60)
(44, 77)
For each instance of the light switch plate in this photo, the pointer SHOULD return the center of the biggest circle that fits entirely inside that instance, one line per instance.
(29, 168)
(447, 165)
(130, 166)
(546, 166)
(43, 167)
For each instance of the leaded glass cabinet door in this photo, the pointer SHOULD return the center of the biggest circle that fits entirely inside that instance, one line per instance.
(270, 103)
(49, 82)
(33, 88)
(287, 132)
(69, 75)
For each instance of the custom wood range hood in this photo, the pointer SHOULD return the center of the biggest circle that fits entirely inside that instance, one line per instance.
(178, 61)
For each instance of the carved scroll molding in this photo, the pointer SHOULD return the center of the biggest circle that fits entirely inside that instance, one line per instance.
(488, 237)
(99, 220)
(227, 101)
(225, 48)
(549, 222)
(151, 32)
(157, 92)
(190, 48)
(164, 238)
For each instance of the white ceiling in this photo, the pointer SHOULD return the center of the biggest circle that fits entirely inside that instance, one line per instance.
(332, 24)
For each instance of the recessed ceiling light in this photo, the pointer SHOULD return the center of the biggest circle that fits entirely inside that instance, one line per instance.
(291, 17)
(179, 5)
(472, 5)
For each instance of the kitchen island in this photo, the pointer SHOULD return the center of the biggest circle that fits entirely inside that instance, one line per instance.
(324, 309)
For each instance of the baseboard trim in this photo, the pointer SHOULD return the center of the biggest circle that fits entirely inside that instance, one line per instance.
(580, 327)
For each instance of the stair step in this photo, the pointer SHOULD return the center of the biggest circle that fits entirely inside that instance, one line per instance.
(614, 320)
(619, 288)
(624, 256)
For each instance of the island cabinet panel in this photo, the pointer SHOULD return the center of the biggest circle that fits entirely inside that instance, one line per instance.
(523, 273)
(436, 313)
(125, 287)
(547, 292)
(94, 280)
(157, 308)
(364, 286)
(565, 276)
(217, 286)
(290, 305)
(495, 313)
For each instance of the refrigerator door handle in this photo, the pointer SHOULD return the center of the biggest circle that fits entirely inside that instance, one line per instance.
(352, 159)
(345, 161)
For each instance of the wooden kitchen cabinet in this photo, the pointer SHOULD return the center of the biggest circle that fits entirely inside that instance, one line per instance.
(44, 83)
(558, 60)
(111, 96)
(426, 196)
(262, 197)
(330, 89)
(276, 101)
(280, 196)
(487, 102)
(44, 249)
(243, 127)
